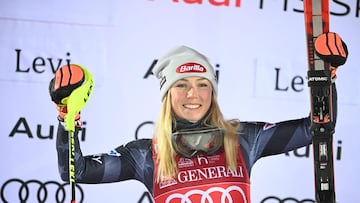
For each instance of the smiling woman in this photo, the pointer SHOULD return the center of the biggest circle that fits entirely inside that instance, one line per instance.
(195, 155)
(191, 98)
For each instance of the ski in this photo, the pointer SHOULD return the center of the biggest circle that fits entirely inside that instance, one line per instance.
(317, 20)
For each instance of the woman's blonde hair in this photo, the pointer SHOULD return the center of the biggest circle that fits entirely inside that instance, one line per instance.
(165, 159)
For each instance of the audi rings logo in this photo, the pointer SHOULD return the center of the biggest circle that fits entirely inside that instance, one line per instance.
(273, 199)
(206, 195)
(49, 191)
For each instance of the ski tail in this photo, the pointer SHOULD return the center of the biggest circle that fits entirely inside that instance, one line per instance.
(317, 21)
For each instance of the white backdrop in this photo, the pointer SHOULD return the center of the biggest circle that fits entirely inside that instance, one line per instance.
(258, 48)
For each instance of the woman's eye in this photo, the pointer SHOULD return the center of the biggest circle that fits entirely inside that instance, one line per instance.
(203, 85)
(181, 85)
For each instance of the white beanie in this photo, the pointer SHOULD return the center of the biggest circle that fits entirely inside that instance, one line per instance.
(182, 62)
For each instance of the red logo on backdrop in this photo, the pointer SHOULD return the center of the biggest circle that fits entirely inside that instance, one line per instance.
(227, 3)
(191, 68)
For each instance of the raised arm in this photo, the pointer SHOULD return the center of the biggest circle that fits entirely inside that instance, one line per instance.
(130, 161)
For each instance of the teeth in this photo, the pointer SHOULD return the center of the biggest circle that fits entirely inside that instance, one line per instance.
(192, 106)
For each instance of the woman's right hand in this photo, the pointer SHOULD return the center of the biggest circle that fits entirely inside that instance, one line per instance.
(67, 79)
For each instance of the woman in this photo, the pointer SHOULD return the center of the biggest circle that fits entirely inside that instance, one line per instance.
(196, 155)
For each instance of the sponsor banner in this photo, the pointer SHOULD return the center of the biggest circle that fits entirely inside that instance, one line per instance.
(33, 57)
(283, 79)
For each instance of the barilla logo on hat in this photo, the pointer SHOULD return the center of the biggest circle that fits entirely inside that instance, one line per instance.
(191, 68)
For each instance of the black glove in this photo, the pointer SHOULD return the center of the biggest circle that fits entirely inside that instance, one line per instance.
(331, 48)
(67, 78)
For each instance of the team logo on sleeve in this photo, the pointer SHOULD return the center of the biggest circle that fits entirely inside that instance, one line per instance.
(114, 153)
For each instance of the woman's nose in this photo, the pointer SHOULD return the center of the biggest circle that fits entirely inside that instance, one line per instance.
(192, 92)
